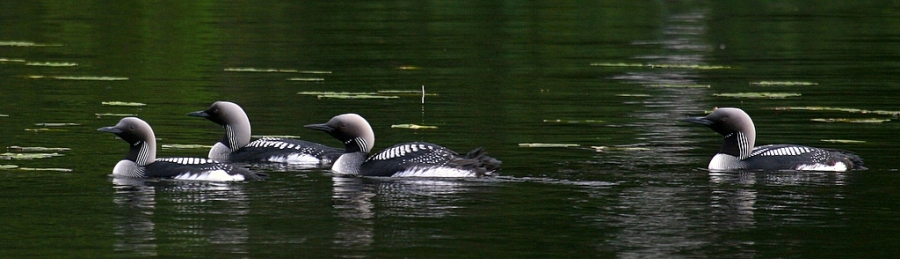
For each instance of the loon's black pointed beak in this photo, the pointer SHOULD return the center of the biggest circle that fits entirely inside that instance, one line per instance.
(110, 129)
(322, 127)
(699, 120)
(199, 114)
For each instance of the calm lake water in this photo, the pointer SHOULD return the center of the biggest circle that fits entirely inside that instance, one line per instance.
(612, 77)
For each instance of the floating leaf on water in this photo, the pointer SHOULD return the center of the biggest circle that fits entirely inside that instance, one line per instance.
(605, 148)
(27, 44)
(83, 78)
(548, 145)
(51, 64)
(7, 167)
(782, 83)
(848, 120)
(684, 66)
(274, 70)
(850, 110)
(412, 126)
(101, 115)
(758, 95)
(306, 79)
(679, 86)
(404, 92)
(27, 156)
(356, 96)
(36, 130)
(15, 60)
(669, 66)
(38, 149)
(617, 64)
(573, 121)
(185, 146)
(64, 170)
(57, 124)
(633, 95)
(115, 103)
(843, 141)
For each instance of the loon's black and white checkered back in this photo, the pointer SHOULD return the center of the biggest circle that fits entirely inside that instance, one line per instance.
(427, 159)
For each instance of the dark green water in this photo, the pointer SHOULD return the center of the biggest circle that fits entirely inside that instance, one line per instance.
(502, 72)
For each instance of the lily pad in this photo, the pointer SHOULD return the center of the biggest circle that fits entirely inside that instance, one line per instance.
(687, 66)
(668, 66)
(679, 86)
(115, 103)
(38, 149)
(849, 120)
(606, 148)
(51, 64)
(27, 44)
(306, 79)
(57, 124)
(762, 95)
(185, 146)
(573, 121)
(349, 95)
(617, 64)
(79, 78)
(14, 60)
(548, 145)
(412, 126)
(27, 156)
(356, 96)
(274, 70)
(850, 110)
(783, 83)
(101, 115)
(64, 170)
(36, 130)
(404, 93)
(843, 141)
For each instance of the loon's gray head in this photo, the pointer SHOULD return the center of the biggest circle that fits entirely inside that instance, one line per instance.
(139, 136)
(351, 129)
(233, 118)
(735, 125)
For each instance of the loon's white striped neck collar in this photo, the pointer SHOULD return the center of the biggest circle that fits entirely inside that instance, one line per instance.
(233, 118)
(351, 129)
(735, 126)
(140, 137)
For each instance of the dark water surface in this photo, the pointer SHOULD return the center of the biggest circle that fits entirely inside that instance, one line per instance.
(504, 73)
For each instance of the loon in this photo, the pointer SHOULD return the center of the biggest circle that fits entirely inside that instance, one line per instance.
(738, 151)
(413, 159)
(141, 161)
(235, 146)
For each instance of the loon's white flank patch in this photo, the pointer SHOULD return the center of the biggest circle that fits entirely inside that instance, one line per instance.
(294, 159)
(837, 167)
(434, 172)
(127, 168)
(213, 175)
(726, 162)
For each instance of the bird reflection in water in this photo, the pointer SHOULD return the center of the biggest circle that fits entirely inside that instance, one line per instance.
(359, 200)
(195, 217)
